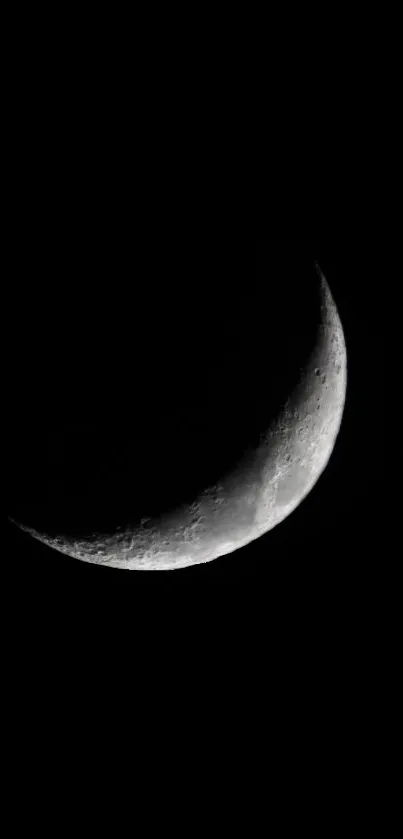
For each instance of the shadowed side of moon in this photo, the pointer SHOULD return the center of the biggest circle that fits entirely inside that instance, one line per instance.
(194, 471)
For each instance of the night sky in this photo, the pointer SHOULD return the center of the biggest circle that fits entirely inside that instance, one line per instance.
(139, 289)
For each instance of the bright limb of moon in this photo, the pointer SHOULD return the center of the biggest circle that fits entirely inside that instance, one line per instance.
(263, 489)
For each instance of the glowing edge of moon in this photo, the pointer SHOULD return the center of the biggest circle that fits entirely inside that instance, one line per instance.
(263, 489)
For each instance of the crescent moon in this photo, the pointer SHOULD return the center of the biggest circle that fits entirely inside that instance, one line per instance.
(265, 487)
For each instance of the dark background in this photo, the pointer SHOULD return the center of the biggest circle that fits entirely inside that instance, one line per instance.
(319, 581)
(162, 310)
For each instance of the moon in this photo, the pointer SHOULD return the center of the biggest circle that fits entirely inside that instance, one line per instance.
(255, 494)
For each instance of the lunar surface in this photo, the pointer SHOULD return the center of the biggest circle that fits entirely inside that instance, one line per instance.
(275, 472)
